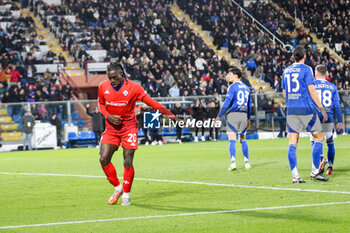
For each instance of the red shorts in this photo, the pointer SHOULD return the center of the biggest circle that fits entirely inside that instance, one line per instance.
(128, 138)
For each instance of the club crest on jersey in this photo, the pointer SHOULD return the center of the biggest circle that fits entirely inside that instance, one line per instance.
(106, 92)
(125, 92)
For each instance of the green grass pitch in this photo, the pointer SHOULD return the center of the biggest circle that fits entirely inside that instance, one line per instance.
(162, 204)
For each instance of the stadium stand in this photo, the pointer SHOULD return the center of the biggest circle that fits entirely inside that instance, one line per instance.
(330, 20)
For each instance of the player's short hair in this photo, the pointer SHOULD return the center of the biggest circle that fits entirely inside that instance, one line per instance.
(322, 70)
(299, 53)
(235, 70)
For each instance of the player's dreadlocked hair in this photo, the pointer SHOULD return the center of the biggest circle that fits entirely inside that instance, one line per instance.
(117, 67)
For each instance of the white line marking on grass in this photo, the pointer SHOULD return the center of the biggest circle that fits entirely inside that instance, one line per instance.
(174, 215)
(186, 182)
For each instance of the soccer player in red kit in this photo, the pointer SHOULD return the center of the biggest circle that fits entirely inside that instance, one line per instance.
(117, 98)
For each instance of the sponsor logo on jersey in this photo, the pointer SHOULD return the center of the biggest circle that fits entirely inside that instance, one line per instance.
(118, 103)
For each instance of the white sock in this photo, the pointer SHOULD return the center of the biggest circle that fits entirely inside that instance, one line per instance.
(119, 188)
(295, 173)
(314, 170)
(126, 195)
(245, 159)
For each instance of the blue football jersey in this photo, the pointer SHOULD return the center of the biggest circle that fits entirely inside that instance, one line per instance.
(238, 99)
(295, 81)
(329, 97)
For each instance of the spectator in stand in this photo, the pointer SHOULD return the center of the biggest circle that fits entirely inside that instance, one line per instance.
(57, 122)
(199, 113)
(27, 123)
(213, 111)
(179, 112)
(15, 75)
(174, 91)
(43, 112)
(97, 123)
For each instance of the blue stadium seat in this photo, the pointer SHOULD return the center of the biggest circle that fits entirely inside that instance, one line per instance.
(72, 136)
(9, 110)
(82, 135)
(19, 126)
(81, 123)
(16, 118)
(166, 130)
(63, 123)
(186, 130)
(91, 134)
(252, 136)
(59, 115)
(140, 133)
(75, 115)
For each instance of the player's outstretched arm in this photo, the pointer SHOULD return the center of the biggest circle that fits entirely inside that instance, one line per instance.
(315, 98)
(158, 106)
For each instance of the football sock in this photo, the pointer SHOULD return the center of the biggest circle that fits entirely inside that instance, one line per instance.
(126, 195)
(128, 177)
(292, 158)
(331, 153)
(111, 174)
(316, 155)
(232, 150)
(312, 144)
(245, 150)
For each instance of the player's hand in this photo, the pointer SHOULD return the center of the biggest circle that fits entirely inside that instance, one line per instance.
(340, 126)
(249, 124)
(324, 114)
(218, 119)
(114, 119)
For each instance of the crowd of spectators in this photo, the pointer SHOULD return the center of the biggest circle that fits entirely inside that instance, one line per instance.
(283, 27)
(231, 28)
(329, 19)
(155, 48)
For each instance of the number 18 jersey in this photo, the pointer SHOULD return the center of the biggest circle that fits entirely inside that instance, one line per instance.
(295, 81)
(329, 97)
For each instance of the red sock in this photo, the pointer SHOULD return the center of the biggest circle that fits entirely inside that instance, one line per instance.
(128, 177)
(111, 174)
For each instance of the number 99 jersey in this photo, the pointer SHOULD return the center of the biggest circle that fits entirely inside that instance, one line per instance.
(329, 97)
(295, 81)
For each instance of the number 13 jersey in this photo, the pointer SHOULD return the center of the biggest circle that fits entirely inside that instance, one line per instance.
(295, 81)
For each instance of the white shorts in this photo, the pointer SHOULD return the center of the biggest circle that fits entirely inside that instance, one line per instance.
(329, 132)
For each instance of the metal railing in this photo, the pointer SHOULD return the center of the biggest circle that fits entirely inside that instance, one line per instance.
(274, 37)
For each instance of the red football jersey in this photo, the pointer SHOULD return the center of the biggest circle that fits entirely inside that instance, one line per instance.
(122, 102)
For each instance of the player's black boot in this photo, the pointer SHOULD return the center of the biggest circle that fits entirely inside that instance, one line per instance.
(319, 177)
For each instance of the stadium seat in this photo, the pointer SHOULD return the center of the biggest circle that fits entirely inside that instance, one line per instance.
(20, 126)
(59, 115)
(252, 136)
(72, 136)
(75, 115)
(16, 118)
(82, 135)
(81, 123)
(9, 110)
(63, 123)
(185, 130)
(166, 130)
(91, 134)
(140, 133)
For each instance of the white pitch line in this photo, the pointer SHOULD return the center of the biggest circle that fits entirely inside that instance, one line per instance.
(186, 182)
(174, 215)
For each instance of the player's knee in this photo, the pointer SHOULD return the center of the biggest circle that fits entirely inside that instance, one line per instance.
(127, 163)
(104, 160)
